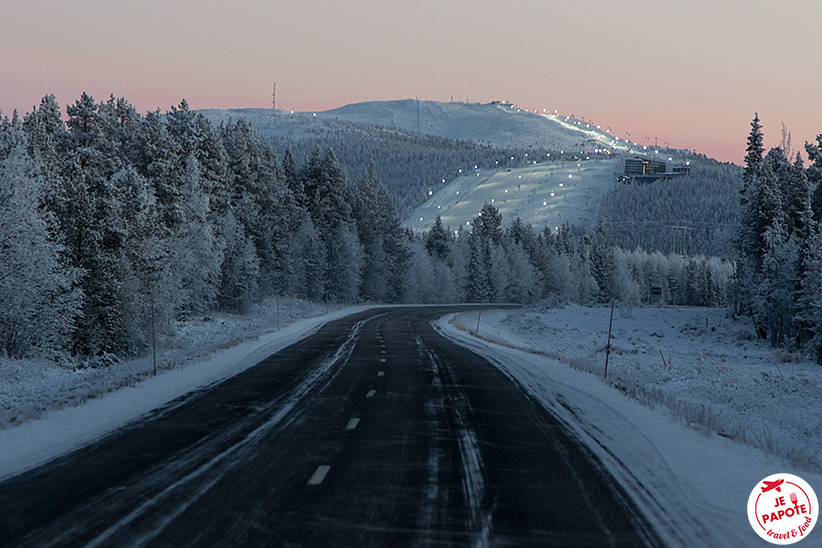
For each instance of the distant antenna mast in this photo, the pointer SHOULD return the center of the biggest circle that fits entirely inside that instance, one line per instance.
(274, 97)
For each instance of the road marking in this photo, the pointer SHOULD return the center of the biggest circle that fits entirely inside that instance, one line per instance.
(382, 351)
(352, 424)
(383, 360)
(370, 393)
(319, 474)
(381, 374)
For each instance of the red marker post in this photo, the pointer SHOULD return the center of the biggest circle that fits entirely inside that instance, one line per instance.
(608, 347)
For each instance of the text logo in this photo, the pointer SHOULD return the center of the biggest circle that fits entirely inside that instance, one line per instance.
(783, 509)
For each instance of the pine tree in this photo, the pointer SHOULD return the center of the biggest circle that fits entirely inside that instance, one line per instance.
(291, 178)
(477, 287)
(603, 264)
(487, 224)
(239, 269)
(437, 240)
(814, 174)
(309, 270)
(38, 299)
(808, 317)
(773, 306)
(755, 151)
(380, 235)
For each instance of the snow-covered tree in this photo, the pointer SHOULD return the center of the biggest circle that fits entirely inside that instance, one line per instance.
(38, 297)
(603, 264)
(774, 303)
(437, 241)
(239, 270)
(755, 151)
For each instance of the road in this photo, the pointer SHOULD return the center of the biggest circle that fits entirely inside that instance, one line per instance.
(374, 431)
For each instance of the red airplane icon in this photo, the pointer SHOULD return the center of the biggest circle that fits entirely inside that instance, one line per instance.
(773, 485)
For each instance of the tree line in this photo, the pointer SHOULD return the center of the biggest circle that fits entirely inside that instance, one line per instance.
(779, 243)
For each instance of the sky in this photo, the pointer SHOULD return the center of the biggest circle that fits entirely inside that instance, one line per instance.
(691, 74)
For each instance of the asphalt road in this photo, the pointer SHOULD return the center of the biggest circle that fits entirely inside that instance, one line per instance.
(375, 431)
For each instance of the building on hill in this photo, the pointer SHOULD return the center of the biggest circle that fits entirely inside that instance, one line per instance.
(643, 170)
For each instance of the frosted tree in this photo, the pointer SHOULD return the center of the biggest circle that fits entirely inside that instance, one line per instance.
(158, 160)
(239, 269)
(262, 202)
(38, 299)
(380, 235)
(195, 251)
(291, 178)
(808, 318)
(603, 264)
(814, 173)
(520, 278)
(482, 280)
(309, 262)
(437, 241)
(755, 151)
(345, 259)
(419, 282)
(773, 305)
(478, 283)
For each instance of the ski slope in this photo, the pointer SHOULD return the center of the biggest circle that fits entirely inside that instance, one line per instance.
(500, 125)
(542, 195)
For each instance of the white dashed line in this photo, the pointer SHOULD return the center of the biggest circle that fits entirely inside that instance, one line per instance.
(370, 393)
(352, 424)
(383, 360)
(319, 474)
(381, 374)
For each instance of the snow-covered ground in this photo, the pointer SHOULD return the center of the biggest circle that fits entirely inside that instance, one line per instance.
(75, 406)
(543, 194)
(689, 440)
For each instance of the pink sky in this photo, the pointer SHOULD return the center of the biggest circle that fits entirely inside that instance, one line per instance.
(690, 73)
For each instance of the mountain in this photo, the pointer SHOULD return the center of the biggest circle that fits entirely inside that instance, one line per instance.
(494, 124)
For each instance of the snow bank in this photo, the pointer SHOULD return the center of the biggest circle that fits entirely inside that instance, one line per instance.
(76, 406)
(672, 453)
(700, 366)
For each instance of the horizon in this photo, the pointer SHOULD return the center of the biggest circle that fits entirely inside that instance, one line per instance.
(692, 78)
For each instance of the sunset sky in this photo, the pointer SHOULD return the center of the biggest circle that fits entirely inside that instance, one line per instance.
(690, 73)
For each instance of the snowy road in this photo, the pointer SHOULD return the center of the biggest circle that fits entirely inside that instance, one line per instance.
(375, 431)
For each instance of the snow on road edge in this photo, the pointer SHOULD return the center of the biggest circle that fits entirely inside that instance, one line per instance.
(59, 432)
(693, 487)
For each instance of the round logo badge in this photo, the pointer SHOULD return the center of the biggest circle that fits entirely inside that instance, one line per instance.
(783, 509)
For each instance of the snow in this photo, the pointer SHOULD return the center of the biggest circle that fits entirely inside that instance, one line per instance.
(657, 432)
(545, 194)
(501, 126)
(71, 408)
(495, 125)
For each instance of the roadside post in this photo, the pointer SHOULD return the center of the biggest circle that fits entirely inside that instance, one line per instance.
(608, 346)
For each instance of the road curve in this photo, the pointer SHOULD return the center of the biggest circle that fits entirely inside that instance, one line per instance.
(374, 431)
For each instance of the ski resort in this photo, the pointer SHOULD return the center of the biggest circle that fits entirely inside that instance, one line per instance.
(370, 274)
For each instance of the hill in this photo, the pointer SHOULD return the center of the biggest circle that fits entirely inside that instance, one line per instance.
(498, 125)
